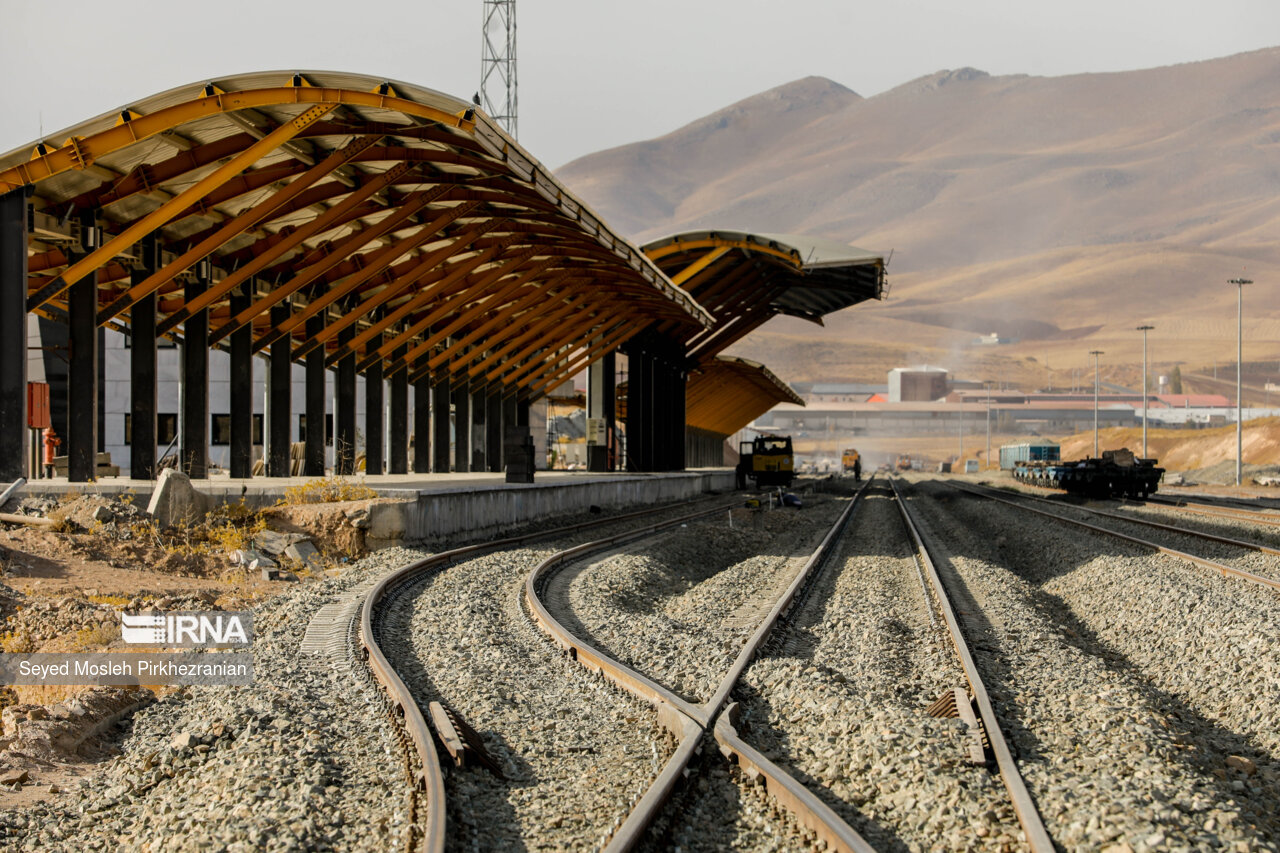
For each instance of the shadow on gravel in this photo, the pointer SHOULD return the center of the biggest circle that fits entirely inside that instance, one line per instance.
(1207, 743)
(880, 835)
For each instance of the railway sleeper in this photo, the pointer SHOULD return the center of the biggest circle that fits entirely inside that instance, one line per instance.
(957, 703)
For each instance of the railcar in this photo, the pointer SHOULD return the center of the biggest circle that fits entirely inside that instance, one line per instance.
(1117, 474)
(766, 460)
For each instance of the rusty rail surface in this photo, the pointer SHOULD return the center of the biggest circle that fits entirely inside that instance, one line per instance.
(686, 721)
(1028, 816)
(991, 494)
(410, 717)
(813, 813)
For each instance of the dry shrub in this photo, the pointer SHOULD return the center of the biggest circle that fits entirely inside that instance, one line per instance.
(227, 528)
(17, 642)
(113, 600)
(95, 637)
(328, 490)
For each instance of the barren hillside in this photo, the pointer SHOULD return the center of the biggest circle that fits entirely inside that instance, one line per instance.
(1061, 211)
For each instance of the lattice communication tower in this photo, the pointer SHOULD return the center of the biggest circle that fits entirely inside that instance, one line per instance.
(498, 63)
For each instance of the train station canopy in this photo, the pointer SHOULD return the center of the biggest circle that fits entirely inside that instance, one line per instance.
(377, 218)
(745, 279)
(726, 393)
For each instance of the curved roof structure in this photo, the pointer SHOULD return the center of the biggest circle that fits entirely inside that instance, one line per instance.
(744, 279)
(408, 224)
(726, 393)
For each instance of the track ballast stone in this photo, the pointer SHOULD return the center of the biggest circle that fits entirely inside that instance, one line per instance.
(839, 698)
(1140, 691)
(304, 759)
(679, 606)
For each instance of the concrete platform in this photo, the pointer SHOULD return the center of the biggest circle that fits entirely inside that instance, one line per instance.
(422, 508)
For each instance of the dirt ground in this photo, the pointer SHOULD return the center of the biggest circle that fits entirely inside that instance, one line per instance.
(62, 588)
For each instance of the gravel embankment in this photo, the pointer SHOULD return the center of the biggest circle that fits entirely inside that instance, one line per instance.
(839, 701)
(1142, 693)
(304, 759)
(576, 752)
(679, 606)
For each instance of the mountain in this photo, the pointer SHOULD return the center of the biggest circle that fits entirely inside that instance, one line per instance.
(1061, 211)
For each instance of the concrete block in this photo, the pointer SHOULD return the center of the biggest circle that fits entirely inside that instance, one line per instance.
(304, 552)
(175, 500)
(387, 520)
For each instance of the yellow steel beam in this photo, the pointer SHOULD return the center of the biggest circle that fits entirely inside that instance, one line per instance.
(239, 224)
(295, 238)
(378, 261)
(452, 290)
(143, 226)
(575, 296)
(456, 273)
(699, 265)
(669, 249)
(568, 337)
(610, 341)
(80, 152)
(503, 319)
(477, 291)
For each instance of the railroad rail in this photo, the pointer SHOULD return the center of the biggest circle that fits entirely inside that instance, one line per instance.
(1023, 499)
(1028, 816)
(430, 781)
(689, 722)
(1261, 515)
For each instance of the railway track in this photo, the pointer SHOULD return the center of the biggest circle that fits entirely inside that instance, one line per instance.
(1137, 691)
(1256, 515)
(688, 717)
(841, 700)
(1258, 564)
(694, 714)
(457, 668)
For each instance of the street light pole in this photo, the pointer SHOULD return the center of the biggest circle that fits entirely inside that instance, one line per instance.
(1239, 283)
(987, 383)
(1144, 330)
(1096, 378)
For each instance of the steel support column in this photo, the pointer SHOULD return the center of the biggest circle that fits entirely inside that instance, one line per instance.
(421, 422)
(241, 390)
(440, 423)
(373, 415)
(511, 435)
(398, 441)
(280, 396)
(601, 407)
(142, 370)
(82, 368)
(13, 335)
(493, 429)
(195, 381)
(461, 425)
(660, 420)
(679, 381)
(344, 442)
(639, 410)
(314, 392)
(479, 435)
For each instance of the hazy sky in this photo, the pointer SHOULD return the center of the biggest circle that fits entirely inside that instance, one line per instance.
(593, 73)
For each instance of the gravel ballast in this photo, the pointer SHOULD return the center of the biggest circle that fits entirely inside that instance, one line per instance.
(1142, 693)
(304, 759)
(838, 700)
(679, 606)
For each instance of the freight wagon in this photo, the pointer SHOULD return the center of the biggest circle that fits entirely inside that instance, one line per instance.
(1028, 451)
(1117, 474)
